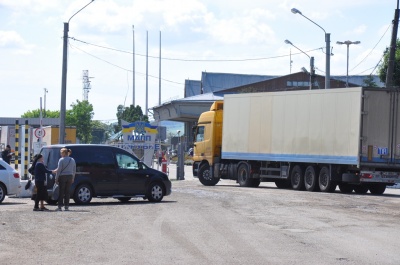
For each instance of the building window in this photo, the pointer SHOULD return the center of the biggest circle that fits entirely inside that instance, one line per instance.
(297, 83)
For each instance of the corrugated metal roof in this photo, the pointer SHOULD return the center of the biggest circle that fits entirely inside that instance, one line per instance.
(192, 88)
(359, 79)
(214, 82)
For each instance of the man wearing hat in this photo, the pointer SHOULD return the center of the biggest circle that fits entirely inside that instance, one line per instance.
(6, 154)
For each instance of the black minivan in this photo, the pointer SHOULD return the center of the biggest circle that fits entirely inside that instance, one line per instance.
(107, 171)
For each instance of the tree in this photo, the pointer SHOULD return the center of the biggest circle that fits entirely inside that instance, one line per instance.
(81, 116)
(129, 114)
(101, 132)
(382, 70)
(36, 114)
(369, 82)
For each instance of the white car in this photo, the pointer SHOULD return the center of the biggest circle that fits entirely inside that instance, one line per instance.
(9, 180)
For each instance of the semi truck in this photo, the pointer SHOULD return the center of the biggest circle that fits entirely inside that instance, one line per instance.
(312, 140)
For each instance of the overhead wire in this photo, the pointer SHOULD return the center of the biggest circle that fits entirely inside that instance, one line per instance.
(120, 67)
(193, 60)
(371, 49)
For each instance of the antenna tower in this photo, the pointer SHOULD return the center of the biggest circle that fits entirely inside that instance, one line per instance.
(86, 84)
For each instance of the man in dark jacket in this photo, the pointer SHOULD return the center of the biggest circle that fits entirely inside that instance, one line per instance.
(6, 154)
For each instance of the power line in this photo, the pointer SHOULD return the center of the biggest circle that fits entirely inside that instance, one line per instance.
(371, 50)
(194, 60)
(120, 67)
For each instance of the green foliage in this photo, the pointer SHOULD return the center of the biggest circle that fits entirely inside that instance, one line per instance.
(36, 114)
(101, 132)
(129, 114)
(382, 70)
(81, 116)
(369, 82)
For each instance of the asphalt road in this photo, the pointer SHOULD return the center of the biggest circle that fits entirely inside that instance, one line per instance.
(224, 224)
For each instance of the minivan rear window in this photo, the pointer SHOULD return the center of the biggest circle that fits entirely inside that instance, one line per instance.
(51, 157)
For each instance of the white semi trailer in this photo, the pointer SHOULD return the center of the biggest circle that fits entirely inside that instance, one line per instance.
(308, 139)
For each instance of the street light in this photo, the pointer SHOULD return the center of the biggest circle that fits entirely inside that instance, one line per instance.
(45, 92)
(311, 64)
(64, 78)
(348, 43)
(328, 50)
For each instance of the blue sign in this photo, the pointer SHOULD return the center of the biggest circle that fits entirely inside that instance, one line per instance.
(383, 151)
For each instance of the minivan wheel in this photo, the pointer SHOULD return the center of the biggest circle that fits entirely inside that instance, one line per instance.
(155, 192)
(2, 192)
(83, 194)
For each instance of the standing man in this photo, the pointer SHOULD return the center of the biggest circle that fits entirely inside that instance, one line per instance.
(159, 155)
(6, 154)
(167, 156)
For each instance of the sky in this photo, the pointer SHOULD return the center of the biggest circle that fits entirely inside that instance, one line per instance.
(241, 37)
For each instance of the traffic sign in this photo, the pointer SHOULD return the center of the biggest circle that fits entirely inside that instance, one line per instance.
(39, 133)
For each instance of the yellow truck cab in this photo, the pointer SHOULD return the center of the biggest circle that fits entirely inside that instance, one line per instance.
(207, 146)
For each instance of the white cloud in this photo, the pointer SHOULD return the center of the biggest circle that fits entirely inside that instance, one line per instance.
(12, 40)
(360, 29)
(247, 28)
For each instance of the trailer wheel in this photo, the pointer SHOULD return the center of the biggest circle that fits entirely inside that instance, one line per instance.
(360, 189)
(325, 182)
(346, 188)
(244, 176)
(205, 177)
(311, 179)
(377, 189)
(297, 178)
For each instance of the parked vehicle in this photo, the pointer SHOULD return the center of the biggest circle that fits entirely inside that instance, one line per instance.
(312, 139)
(9, 180)
(107, 171)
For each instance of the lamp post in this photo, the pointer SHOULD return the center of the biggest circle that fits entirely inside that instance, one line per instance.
(180, 165)
(328, 50)
(45, 92)
(311, 63)
(64, 78)
(348, 43)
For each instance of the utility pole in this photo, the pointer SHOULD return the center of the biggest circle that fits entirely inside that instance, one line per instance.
(61, 134)
(133, 67)
(147, 72)
(159, 76)
(392, 51)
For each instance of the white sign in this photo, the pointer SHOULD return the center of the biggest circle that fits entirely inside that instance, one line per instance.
(37, 146)
(39, 133)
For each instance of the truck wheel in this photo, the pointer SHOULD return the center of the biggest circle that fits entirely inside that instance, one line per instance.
(359, 189)
(325, 182)
(311, 179)
(205, 176)
(297, 178)
(377, 189)
(244, 176)
(346, 188)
